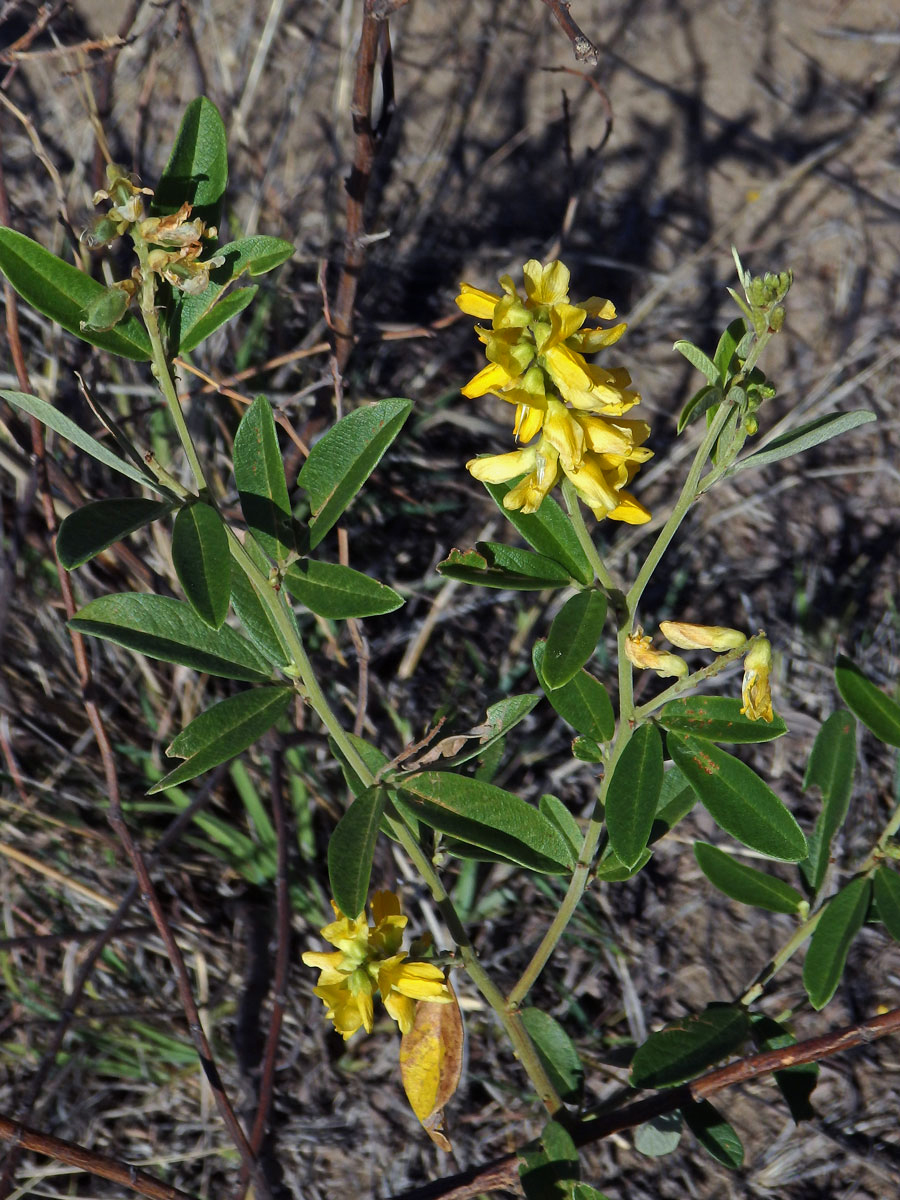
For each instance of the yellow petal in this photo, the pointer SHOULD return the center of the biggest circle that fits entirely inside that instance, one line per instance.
(702, 637)
(498, 468)
(489, 379)
(640, 652)
(546, 285)
(528, 422)
(629, 510)
(565, 435)
(476, 303)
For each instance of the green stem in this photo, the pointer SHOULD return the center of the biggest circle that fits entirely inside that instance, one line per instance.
(577, 883)
(787, 951)
(868, 867)
(296, 652)
(685, 500)
(586, 541)
(643, 711)
(160, 364)
(511, 1020)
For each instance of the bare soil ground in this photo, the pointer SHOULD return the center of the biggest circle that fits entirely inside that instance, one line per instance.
(772, 126)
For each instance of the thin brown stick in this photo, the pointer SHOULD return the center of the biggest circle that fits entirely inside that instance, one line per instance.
(25, 1138)
(374, 35)
(585, 50)
(503, 1172)
(282, 966)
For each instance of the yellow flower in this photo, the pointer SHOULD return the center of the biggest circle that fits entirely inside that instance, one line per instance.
(755, 693)
(535, 348)
(702, 637)
(545, 330)
(368, 959)
(639, 651)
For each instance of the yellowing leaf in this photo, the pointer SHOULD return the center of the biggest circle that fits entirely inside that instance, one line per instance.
(431, 1062)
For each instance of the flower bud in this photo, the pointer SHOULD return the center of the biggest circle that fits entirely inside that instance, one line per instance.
(639, 651)
(702, 637)
(107, 309)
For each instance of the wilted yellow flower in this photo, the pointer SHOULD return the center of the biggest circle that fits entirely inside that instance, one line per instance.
(702, 637)
(368, 959)
(755, 693)
(639, 650)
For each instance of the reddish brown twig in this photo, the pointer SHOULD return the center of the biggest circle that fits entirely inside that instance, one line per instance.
(504, 1171)
(585, 50)
(374, 35)
(282, 965)
(102, 1165)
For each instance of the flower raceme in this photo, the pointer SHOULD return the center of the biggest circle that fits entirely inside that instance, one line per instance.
(570, 411)
(368, 959)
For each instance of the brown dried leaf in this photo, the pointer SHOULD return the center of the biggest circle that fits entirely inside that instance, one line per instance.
(431, 1062)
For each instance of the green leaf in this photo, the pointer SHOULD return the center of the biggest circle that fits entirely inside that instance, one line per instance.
(59, 423)
(633, 795)
(583, 702)
(187, 329)
(549, 531)
(887, 897)
(223, 731)
(196, 317)
(659, 1136)
(676, 799)
(99, 524)
(878, 712)
(548, 1165)
(813, 433)
(489, 818)
(168, 629)
(573, 636)
(373, 758)
(197, 170)
(717, 719)
(726, 356)
(701, 402)
(335, 591)
(714, 1133)
(746, 884)
(698, 359)
(262, 487)
(202, 562)
(344, 458)
(252, 256)
(554, 810)
(493, 564)
(255, 618)
(557, 1052)
(689, 1046)
(831, 767)
(738, 800)
(352, 848)
(64, 294)
(587, 751)
(795, 1083)
(611, 869)
(839, 924)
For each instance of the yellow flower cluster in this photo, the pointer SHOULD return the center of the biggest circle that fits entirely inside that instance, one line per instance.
(368, 959)
(535, 348)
